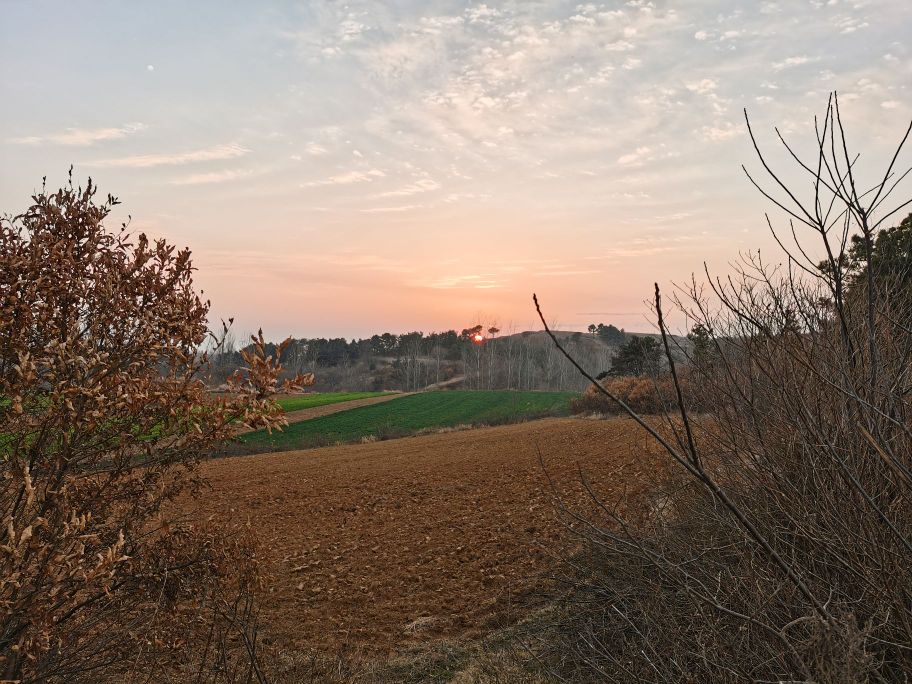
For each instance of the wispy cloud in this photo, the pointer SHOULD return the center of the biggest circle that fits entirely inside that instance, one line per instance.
(217, 176)
(790, 62)
(315, 149)
(649, 245)
(215, 153)
(423, 185)
(638, 155)
(484, 281)
(568, 272)
(387, 210)
(81, 137)
(722, 131)
(347, 178)
(702, 87)
(350, 30)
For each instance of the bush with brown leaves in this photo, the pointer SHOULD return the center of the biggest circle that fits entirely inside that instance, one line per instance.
(103, 418)
(643, 394)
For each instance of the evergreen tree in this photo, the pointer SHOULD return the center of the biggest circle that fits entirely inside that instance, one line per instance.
(638, 356)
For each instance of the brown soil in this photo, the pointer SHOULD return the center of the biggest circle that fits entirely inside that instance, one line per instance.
(391, 543)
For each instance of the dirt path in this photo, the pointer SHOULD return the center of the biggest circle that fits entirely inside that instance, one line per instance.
(445, 384)
(451, 530)
(327, 409)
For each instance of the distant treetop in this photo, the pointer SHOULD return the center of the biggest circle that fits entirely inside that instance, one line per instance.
(609, 334)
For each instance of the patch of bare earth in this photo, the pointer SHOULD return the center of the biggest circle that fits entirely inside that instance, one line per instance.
(390, 544)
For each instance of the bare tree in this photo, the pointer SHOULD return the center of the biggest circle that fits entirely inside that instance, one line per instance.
(782, 551)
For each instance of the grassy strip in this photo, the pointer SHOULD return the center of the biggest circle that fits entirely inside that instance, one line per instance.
(289, 404)
(410, 414)
(307, 401)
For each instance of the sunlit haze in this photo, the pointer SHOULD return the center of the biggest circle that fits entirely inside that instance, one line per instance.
(341, 169)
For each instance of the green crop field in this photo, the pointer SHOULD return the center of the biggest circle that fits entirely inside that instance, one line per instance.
(306, 401)
(413, 413)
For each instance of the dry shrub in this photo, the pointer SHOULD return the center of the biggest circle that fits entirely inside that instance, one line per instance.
(783, 550)
(643, 394)
(103, 418)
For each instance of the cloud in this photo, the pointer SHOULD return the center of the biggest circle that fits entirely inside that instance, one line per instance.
(790, 62)
(569, 272)
(387, 210)
(638, 156)
(312, 149)
(849, 24)
(216, 176)
(707, 85)
(481, 13)
(454, 81)
(289, 260)
(485, 281)
(650, 244)
(889, 104)
(347, 178)
(423, 185)
(215, 153)
(81, 137)
(350, 30)
(721, 132)
(436, 25)
(459, 196)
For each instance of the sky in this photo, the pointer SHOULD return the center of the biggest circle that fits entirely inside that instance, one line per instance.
(341, 169)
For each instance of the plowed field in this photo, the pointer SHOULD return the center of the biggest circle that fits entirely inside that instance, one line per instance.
(383, 544)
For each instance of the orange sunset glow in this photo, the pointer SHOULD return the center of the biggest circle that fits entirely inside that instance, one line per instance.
(423, 169)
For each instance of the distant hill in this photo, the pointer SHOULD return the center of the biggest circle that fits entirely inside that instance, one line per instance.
(579, 337)
(526, 360)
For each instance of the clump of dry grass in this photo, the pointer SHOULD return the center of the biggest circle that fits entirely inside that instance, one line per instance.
(644, 394)
(500, 657)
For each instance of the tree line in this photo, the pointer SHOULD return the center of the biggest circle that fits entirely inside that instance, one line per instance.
(482, 356)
